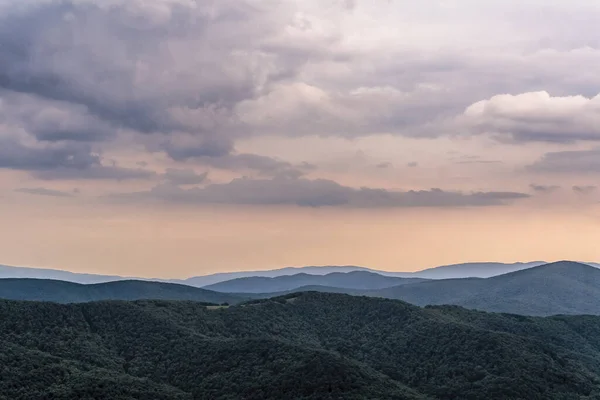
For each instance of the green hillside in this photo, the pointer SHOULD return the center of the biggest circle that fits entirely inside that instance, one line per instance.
(300, 346)
(68, 292)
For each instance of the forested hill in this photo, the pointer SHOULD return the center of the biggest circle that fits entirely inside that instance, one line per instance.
(68, 292)
(300, 346)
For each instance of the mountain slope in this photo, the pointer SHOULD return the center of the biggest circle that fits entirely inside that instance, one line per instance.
(301, 346)
(474, 270)
(348, 280)
(480, 270)
(68, 292)
(43, 273)
(558, 288)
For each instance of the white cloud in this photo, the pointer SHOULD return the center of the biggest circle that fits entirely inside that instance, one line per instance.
(536, 116)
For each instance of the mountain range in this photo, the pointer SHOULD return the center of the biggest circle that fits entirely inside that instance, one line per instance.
(343, 280)
(557, 288)
(477, 269)
(300, 346)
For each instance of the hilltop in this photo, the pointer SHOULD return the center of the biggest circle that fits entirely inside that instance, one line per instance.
(300, 346)
(564, 287)
(68, 292)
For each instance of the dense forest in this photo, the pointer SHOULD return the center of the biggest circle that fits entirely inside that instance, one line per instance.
(69, 292)
(300, 346)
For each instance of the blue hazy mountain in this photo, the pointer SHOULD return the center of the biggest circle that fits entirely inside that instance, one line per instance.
(477, 269)
(347, 280)
(563, 287)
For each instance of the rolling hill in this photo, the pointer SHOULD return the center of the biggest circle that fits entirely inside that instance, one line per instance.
(68, 292)
(558, 288)
(349, 280)
(474, 270)
(481, 270)
(301, 346)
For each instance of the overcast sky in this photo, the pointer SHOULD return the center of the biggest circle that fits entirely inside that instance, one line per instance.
(178, 137)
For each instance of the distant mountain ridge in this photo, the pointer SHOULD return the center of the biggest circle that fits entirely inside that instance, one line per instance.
(344, 280)
(564, 287)
(557, 288)
(68, 292)
(473, 269)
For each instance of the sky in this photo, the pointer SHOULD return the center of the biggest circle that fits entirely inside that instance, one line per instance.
(172, 138)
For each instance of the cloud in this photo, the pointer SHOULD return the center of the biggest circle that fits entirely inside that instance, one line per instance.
(544, 188)
(536, 116)
(316, 193)
(582, 162)
(45, 156)
(584, 190)
(96, 172)
(185, 176)
(63, 160)
(80, 79)
(51, 120)
(44, 192)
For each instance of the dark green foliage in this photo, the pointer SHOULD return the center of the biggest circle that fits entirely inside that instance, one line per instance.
(299, 346)
(68, 292)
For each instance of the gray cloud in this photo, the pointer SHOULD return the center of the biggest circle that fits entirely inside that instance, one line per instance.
(569, 162)
(316, 193)
(584, 190)
(96, 172)
(478, 162)
(45, 156)
(44, 192)
(544, 188)
(63, 160)
(50, 120)
(265, 166)
(191, 78)
(185, 176)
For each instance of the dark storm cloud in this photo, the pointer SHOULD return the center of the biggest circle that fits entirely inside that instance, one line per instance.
(316, 193)
(44, 192)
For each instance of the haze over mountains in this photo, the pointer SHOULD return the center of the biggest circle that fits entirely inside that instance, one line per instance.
(464, 270)
(343, 280)
(557, 288)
